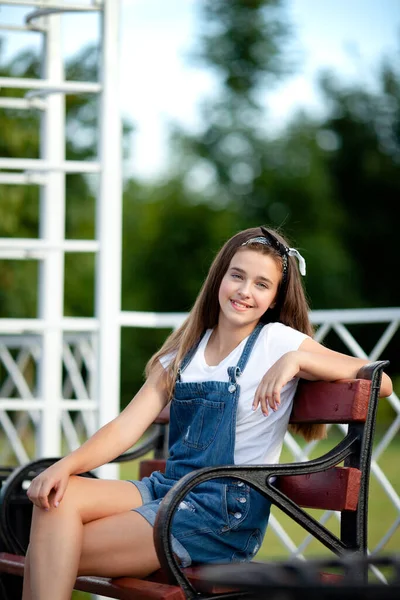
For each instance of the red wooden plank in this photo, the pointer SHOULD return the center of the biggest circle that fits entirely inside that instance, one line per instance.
(101, 586)
(163, 417)
(129, 588)
(335, 489)
(12, 564)
(194, 575)
(141, 589)
(334, 578)
(148, 466)
(344, 401)
(122, 588)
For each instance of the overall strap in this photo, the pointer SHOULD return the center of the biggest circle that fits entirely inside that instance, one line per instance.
(188, 357)
(234, 372)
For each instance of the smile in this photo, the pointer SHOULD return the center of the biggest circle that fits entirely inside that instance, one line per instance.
(240, 305)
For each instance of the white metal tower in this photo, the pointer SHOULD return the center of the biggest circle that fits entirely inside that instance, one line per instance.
(46, 337)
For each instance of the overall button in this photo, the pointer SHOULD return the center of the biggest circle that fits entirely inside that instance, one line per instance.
(237, 515)
(240, 484)
(232, 388)
(242, 500)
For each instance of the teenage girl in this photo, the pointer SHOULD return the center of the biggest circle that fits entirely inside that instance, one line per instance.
(230, 372)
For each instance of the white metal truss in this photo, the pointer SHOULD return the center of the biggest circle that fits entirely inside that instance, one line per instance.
(59, 376)
(53, 363)
(79, 349)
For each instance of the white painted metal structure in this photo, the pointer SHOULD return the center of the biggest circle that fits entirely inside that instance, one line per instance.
(48, 95)
(53, 365)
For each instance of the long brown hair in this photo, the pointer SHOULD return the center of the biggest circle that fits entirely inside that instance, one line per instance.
(291, 308)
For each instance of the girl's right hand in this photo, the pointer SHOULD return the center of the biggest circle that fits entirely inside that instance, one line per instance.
(49, 486)
(268, 392)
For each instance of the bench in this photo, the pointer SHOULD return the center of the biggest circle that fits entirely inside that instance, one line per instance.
(318, 483)
(297, 579)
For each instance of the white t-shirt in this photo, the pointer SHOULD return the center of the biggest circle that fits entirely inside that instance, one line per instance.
(258, 438)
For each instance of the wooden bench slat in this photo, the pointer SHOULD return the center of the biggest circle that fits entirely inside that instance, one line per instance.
(336, 489)
(163, 417)
(153, 587)
(194, 575)
(345, 401)
(131, 588)
(148, 466)
(12, 564)
(121, 588)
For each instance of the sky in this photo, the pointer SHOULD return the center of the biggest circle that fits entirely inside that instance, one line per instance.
(158, 83)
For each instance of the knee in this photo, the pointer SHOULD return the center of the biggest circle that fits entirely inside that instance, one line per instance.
(68, 500)
(71, 495)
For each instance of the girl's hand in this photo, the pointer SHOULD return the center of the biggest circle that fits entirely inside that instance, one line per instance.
(269, 389)
(49, 486)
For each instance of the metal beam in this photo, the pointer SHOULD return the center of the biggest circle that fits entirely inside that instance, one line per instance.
(34, 326)
(22, 103)
(50, 85)
(109, 225)
(35, 28)
(46, 12)
(359, 315)
(18, 404)
(30, 244)
(22, 179)
(52, 227)
(37, 164)
(96, 5)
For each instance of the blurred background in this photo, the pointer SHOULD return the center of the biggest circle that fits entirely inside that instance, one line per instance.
(278, 112)
(235, 114)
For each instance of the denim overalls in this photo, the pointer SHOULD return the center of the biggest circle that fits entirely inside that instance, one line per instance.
(221, 520)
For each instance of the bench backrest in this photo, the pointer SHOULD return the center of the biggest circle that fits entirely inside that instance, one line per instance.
(338, 488)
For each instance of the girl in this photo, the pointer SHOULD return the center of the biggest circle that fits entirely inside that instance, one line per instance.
(231, 371)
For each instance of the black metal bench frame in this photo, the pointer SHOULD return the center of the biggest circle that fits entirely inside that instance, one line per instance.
(355, 450)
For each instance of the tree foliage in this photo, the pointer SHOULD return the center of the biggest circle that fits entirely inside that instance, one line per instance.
(331, 184)
(364, 165)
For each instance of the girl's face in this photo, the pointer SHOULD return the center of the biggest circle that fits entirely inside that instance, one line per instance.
(248, 289)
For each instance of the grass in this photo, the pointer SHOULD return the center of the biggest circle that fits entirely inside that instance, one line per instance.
(382, 513)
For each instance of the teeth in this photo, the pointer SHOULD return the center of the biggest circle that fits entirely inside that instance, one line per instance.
(240, 304)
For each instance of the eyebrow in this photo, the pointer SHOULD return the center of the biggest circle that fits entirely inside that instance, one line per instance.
(260, 277)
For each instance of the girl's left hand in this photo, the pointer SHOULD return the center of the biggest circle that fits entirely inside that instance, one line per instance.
(268, 393)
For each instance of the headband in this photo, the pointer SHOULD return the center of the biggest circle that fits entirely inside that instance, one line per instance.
(270, 240)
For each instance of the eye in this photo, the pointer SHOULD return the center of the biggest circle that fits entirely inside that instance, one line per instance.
(236, 276)
(263, 286)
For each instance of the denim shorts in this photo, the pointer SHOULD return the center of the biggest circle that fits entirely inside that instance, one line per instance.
(220, 521)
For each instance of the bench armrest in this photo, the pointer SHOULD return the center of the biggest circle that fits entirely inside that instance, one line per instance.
(259, 477)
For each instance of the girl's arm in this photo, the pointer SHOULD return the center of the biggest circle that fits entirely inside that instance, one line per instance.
(317, 362)
(106, 444)
(311, 361)
(121, 433)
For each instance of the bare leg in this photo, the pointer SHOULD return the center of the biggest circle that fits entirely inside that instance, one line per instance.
(118, 546)
(26, 589)
(56, 535)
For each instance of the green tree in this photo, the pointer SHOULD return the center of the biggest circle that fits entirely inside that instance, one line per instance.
(237, 163)
(363, 129)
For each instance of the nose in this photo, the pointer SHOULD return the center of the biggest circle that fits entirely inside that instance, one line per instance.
(244, 289)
